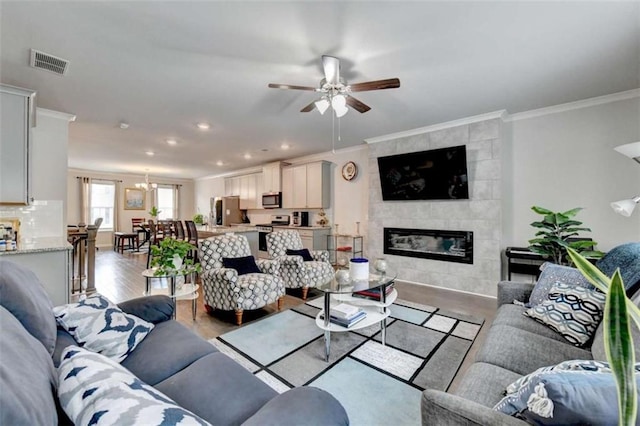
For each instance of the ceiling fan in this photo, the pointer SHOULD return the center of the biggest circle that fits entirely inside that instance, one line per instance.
(335, 91)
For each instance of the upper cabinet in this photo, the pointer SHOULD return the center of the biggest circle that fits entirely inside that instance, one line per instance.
(17, 116)
(306, 186)
(272, 177)
(247, 187)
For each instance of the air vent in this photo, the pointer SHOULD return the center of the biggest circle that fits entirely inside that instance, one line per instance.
(47, 62)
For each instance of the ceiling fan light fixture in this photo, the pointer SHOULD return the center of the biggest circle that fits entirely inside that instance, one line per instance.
(341, 111)
(338, 102)
(322, 105)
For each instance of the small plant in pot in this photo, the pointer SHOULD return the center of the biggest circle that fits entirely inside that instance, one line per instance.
(170, 258)
(555, 231)
(154, 212)
(198, 219)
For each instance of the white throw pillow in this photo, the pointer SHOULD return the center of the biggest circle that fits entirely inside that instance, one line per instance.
(96, 390)
(100, 326)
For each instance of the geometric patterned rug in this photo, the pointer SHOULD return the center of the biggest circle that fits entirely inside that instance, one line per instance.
(377, 385)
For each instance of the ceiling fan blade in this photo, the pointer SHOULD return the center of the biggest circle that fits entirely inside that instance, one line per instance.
(331, 66)
(390, 83)
(291, 86)
(309, 107)
(357, 105)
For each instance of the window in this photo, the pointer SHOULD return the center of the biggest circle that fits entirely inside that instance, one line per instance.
(166, 202)
(103, 198)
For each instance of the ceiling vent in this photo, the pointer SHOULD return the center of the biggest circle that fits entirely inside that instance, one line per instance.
(47, 62)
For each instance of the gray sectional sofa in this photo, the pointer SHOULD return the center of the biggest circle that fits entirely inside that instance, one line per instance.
(171, 358)
(515, 346)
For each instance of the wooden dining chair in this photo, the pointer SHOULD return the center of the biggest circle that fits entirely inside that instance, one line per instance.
(179, 230)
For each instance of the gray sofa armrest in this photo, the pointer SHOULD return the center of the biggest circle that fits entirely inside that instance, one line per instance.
(508, 291)
(154, 309)
(443, 409)
(304, 406)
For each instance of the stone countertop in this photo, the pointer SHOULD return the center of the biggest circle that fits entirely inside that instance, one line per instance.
(302, 228)
(211, 231)
(40, 245)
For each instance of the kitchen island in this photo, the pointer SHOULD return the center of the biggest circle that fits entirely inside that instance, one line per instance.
(48, 258)
(250, 232)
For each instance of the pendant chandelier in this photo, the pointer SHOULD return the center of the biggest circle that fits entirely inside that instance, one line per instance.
(146, 185)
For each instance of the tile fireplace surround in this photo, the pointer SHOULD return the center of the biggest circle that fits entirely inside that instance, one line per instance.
(480, 214)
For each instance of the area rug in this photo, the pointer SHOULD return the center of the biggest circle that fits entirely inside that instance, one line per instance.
(377, 385)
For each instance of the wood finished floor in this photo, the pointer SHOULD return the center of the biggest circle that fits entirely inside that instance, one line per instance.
(118, 277)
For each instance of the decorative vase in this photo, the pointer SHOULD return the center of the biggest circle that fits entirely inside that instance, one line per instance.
(342, 276)
(380, 265)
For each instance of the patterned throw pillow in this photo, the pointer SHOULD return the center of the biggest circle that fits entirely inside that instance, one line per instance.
(570, 365)
(572, 311)
(551, 274)
(100, 326)
(96, 390)
(243, 265)
(306, 256)
(565, 397)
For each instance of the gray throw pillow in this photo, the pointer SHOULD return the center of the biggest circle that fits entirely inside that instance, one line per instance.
(22, 294)
(552, 274)
(27, 377)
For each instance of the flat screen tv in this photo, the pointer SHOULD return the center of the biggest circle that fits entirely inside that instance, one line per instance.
(437, 174)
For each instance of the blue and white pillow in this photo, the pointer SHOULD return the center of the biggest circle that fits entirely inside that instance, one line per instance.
(553, 274)
(99, 325)
(573, 311)
(94, 390)
(565, 397)
(570, 365)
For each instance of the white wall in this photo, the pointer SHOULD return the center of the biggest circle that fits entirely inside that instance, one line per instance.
(565, 159)
(124, 216)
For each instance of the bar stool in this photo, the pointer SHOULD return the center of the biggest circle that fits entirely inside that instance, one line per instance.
(119, 239)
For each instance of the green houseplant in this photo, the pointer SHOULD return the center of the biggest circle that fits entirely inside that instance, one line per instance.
(619, 312)
(554, 231)
(154, 212)
(198, 219)
(170, 257)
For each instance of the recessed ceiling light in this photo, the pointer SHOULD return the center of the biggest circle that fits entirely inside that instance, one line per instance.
(150, 153)
(124, 125)
(219, 163)
(172, 141)
(264, 150)
(203, 126)
(284, 146)
(247, 156)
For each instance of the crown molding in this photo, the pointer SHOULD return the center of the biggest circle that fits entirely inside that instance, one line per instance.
(584, 103)
(56, 114)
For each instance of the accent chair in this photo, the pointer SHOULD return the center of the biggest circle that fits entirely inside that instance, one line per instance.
(295, 272)
(225, 289)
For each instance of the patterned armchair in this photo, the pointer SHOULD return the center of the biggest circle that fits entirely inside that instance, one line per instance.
(226, 290)
(294, 272)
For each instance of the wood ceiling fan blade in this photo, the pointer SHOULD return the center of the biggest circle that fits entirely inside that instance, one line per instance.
(291, 86)
(357, 105)
(331, 66)
(309, 107)
(390, 83)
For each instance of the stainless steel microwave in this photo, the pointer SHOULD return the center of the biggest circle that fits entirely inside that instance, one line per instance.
(272, 200)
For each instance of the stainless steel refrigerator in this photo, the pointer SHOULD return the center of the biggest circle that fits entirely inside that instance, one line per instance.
(225, 211)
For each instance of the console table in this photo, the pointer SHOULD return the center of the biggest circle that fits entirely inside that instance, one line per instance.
(521, 260)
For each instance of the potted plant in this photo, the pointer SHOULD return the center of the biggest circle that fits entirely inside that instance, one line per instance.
(170, 258)
(154, 212)
(198, 219)
(555, 230)
(619, 313)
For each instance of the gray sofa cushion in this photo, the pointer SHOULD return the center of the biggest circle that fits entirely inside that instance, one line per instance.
(485, 383)
(522, 352)
(625, 257)
(513, 315)
(22, 294)
(27, 377)
(169, 348)
(597, 348)
(155, 309)
(218, 389)
(305, 406)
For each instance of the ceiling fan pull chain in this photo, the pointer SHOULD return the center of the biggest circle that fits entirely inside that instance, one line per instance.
(333, 133)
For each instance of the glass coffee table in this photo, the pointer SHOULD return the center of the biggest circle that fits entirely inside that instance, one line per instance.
(377, 310)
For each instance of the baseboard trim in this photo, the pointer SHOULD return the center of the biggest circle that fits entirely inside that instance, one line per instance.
(449, 289)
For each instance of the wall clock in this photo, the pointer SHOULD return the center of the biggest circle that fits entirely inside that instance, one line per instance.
(349, 171)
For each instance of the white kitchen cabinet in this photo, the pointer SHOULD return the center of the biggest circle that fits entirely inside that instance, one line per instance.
(248, 192)
(307, 185)
(272, 177)
(314, 239)
(17, 116)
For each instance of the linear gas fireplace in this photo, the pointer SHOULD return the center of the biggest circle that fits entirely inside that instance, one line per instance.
(451, 246)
